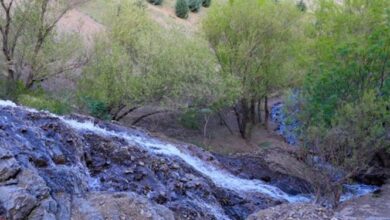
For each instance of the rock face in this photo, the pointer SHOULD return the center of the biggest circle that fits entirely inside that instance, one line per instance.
(373, 206)
(50, 170)
(270, 170)
(294, 212)
(379, 170)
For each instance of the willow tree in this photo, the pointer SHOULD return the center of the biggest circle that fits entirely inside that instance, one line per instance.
(141, 63)
(255, 42)
(29, 43)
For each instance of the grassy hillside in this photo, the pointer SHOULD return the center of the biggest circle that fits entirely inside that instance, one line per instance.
(163, 14)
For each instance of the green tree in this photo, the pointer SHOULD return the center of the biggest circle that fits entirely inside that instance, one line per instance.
(206, 3)
(182, 9)
(350, 56)
(255, 42)
(345, 101)
(302, 5)
(155, 2)
(194, 5)
(32, 52)
(149, 65)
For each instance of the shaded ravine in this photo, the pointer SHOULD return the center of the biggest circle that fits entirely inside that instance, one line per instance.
(104, 157)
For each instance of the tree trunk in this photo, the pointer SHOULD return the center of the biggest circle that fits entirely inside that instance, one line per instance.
(136, 121)
(253, 112)
(259, 110)
(243, 118)
(223, 122)
(266, 112)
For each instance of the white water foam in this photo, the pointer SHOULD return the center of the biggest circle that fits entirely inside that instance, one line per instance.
(7, 103)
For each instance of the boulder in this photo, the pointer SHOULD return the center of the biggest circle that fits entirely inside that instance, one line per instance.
(294, 212)
(9, 167)
(121, 206)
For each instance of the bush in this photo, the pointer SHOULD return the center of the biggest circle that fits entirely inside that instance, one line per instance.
(11, 89)
(359, 130)
(190, 119)
(182, 9)
(97, 108)
(302, 6)
(206, 3)
(155, 2)
(194, 5)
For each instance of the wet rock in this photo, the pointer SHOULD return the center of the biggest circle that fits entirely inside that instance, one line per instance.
(129, 171)
(9, 167)
(54, 170)
(175, 166)
(58, 157)
(46, 211)
(39, 161)
(273, 170)
(17, 202)
(160, 198)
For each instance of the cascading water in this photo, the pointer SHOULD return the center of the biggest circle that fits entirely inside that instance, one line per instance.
(219, 177)
(161, 149)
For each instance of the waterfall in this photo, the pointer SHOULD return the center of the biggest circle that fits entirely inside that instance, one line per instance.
(221, 178)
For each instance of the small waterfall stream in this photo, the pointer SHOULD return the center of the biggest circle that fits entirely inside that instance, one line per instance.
(220, 177)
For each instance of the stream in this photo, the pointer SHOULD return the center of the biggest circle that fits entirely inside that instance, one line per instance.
(102, 157)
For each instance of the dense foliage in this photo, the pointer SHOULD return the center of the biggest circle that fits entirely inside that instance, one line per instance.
(345, 103)
(256, 43)
(350, 56)
(149, 65)
(206, 3)
(31, 50)
(182, 9)
(155, 2)
(194, 5)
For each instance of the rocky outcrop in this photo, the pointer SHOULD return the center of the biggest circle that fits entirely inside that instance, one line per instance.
(374, 206)
(379, 170)
(24, 194)
(50, 170)
(265, 166)
(294, 212)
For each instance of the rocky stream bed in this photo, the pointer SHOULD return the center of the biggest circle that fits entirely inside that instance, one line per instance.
(77, 167)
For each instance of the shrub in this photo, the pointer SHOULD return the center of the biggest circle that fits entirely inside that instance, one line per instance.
(194, 5)
(96, 108)
(302, 6)
(190, 119)
(42, 102)
(155, 2)
(182, 9)
(358, 131)
(11, 89)
(206, 3)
